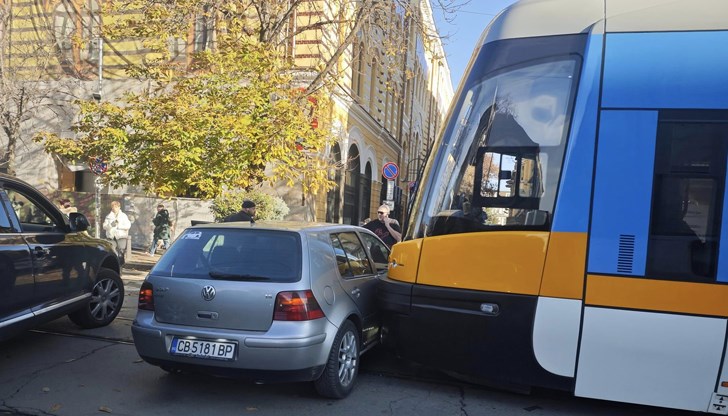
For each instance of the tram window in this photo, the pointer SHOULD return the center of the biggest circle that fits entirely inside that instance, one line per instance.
(689, 183)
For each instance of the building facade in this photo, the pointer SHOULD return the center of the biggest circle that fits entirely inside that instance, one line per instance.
(391, 92)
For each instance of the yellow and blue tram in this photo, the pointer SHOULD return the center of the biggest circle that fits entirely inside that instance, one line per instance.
(567, 231)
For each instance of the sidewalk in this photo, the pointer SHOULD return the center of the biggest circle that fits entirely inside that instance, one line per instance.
(140, 261)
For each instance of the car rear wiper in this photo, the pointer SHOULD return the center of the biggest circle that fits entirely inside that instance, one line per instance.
(238, 276)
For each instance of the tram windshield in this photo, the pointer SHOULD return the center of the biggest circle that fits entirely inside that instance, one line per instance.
(499, 160)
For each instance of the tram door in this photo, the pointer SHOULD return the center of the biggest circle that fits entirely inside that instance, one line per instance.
(654, 319)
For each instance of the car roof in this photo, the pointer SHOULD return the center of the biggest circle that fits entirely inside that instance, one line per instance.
(4, 177)
(293, 226)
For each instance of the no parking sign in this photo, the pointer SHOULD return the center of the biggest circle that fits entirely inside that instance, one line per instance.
(98, 166)
(390, 170)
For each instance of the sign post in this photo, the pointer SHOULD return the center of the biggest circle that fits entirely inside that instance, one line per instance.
(98, 167)
(390, 171)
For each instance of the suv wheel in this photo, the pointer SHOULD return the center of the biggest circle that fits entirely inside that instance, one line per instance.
(107, 296)
(342, 367)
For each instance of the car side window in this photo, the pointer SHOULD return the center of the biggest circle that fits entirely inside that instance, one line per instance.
(32, 217)
(350, 255)
(378, 250)
(5, 226)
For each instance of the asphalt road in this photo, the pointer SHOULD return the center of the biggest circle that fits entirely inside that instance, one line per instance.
(59, 369)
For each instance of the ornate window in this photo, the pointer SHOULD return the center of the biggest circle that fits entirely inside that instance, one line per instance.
(76, 32)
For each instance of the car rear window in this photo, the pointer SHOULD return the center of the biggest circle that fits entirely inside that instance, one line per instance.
(233, 254)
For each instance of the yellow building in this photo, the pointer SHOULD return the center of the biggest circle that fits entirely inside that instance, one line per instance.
(393, 88)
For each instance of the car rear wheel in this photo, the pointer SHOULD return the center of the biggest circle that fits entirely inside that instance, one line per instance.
(107, 296)
(342, 367)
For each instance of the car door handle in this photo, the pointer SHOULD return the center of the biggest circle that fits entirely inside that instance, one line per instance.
(356, 292)
(41, 251)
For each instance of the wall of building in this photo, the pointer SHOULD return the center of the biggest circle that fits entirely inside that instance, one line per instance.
(387, 104)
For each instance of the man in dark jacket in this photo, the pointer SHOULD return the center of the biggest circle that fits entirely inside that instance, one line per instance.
(384, 227)
(162, 229)
(247, 213)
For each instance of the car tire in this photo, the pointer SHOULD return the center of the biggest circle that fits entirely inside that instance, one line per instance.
(342, 366)
(107, 296)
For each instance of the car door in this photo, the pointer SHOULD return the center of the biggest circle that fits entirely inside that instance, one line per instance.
(58, 272)
(378, 252)
(357, 278)
(16, 268)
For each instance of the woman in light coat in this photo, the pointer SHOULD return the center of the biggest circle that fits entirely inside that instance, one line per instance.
(116, 226)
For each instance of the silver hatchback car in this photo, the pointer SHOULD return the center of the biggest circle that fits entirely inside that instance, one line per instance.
(269, 301)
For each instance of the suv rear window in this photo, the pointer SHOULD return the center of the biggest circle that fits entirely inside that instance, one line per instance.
(230, 254)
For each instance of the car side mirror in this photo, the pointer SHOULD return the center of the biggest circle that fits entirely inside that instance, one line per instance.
(78, 222)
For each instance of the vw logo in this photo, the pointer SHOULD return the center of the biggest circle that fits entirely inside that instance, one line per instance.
(208, 292)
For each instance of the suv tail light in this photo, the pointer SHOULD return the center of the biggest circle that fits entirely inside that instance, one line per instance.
(297, 306)
(146, 297)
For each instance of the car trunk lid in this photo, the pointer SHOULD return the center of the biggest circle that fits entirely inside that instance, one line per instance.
(212, 303)
(225, 278)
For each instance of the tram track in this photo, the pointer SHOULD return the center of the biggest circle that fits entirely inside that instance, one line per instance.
(82, 336)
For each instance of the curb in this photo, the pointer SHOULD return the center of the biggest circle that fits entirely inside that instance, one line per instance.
(140, 261)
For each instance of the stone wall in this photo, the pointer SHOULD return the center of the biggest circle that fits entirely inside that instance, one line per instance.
(141, 210)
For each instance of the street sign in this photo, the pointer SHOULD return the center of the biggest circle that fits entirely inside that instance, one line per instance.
(390, 170)
(390, 190)
(98, 166)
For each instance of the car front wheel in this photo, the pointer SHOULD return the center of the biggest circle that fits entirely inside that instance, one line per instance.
(107, 296)
(342, 367)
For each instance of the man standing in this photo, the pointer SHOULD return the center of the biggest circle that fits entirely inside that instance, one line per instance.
(384, 227)
(162, 225)
(117, 227)
(247, 213)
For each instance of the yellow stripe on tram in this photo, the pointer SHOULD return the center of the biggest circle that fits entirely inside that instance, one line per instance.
(501, 261)
(657, 295)
(563, 275)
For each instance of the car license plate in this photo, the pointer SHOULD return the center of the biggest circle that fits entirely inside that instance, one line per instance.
(199, 348)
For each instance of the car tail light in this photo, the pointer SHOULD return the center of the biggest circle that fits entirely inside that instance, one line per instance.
(146, 297)
(297, 306)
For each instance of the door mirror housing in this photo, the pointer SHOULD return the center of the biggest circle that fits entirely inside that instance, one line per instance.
(78, 222)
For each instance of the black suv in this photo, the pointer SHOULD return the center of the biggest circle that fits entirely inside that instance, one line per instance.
(50, 266)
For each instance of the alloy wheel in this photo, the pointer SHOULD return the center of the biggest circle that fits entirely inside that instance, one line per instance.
(104, 299)
(348, 358)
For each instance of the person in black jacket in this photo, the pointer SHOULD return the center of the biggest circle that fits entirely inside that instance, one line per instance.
(384, 227)
(162, 229)
(247, 213)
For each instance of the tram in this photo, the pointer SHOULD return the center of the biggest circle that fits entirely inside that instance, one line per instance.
(568, 231)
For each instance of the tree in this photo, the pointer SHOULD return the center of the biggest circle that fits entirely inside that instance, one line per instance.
(220, 128)
(341, 23)
(34, 79)
(239, 104)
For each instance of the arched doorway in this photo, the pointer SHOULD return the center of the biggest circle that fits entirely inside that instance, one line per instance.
(333, 197)
(366, 191)
(352, 188)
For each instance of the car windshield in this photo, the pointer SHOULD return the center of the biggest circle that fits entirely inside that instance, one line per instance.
(233, 254)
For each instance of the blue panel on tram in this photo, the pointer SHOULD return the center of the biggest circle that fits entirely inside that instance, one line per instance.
(666, 70)
(575, 191)
(623, 192)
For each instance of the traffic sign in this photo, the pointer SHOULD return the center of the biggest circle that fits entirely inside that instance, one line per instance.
(98, 166)
(390, 170)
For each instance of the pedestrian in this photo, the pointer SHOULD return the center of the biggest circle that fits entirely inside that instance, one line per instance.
(162, 229)
(246, 213)
(117, 225)
(387, 229)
